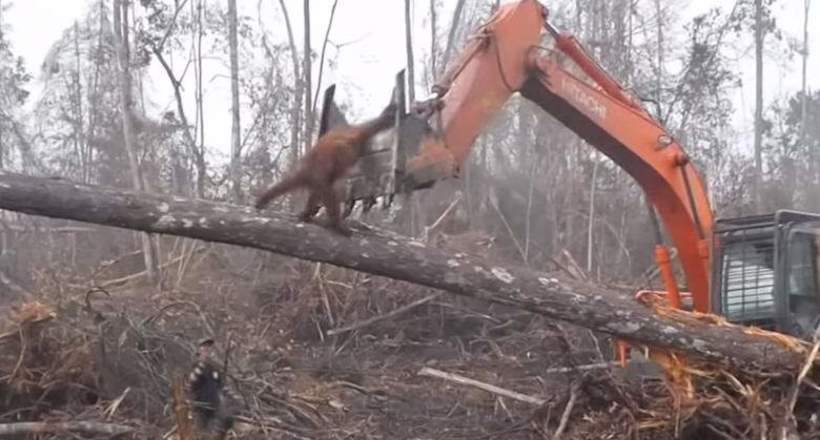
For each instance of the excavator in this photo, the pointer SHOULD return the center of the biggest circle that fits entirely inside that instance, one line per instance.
(759, 270)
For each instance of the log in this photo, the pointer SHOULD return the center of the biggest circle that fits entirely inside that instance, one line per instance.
(387, 254)
(21, 429)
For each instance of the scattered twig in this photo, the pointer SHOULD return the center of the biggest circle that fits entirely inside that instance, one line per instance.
(195, 306)
(289, 430)
(322, 57)
(510, 231)
(388, 315)
(596, 366)
(573, 396)
(108, 263)
(796, 389)
(452, 377)
(23, 347)
(186, 259)
(654, 270)
(112, 408)
(562, 267)
(16, 333)
(425, 235)
(127, 278)
(22, 428)
(577, 271)
(803, 373)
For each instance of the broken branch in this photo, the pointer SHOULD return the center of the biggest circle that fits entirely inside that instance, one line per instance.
(452, 377)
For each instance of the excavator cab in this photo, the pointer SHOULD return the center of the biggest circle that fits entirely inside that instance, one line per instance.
(766, 273)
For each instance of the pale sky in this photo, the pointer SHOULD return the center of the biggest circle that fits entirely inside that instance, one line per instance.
(366, 67)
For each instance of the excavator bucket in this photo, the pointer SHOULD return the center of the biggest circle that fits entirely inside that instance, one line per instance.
(382, 172)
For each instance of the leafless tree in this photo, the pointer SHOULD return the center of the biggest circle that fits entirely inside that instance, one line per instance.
(202, 172)
(451, 36)
(322, 56)
(758, 123)
(235, 127)
(121, 30)
(307, 71)
(805, 56)
(408, 23)
(433, 40)
(296, 106)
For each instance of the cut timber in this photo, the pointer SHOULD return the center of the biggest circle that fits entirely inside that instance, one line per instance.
(394, 256)
(20, 429)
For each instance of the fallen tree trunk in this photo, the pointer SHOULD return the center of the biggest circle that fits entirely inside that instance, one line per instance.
(386, 254)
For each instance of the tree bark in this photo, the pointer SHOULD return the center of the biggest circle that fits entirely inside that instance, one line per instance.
(591, 222)
(451, 36)
(196, 43)
(433, 40)
(805, 56)
(387, 254)
(235, 135)
(659, 48)
(408, 39)
(121, 34)
(79, 133)
(322, 56)
(307, 70)
(758, 139)
(296, 110)
(199, 155)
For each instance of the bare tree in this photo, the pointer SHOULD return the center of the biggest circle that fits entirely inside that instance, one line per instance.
(805, 55)
(235, 134)
(451, 36)
(202, 172)
(296, 110)
(189, 132)
(307, 71)
(591, 224)
(433, 40)
(79, 132)
(322, 56)
(121, 30)
(661, 23)
(758, 139)
(411, 82)
(2, 145)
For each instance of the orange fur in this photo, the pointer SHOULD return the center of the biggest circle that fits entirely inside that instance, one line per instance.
(329, 160)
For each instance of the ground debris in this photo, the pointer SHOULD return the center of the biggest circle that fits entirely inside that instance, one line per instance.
(114, 363)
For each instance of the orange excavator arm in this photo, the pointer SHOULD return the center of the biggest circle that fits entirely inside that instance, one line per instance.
(506, 56)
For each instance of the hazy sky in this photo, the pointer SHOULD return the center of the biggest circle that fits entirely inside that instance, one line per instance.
(375, 31)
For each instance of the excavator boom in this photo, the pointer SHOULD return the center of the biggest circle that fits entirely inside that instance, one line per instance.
(518, 51)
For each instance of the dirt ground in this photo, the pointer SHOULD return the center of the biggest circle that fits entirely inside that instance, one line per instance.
(109, 354)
